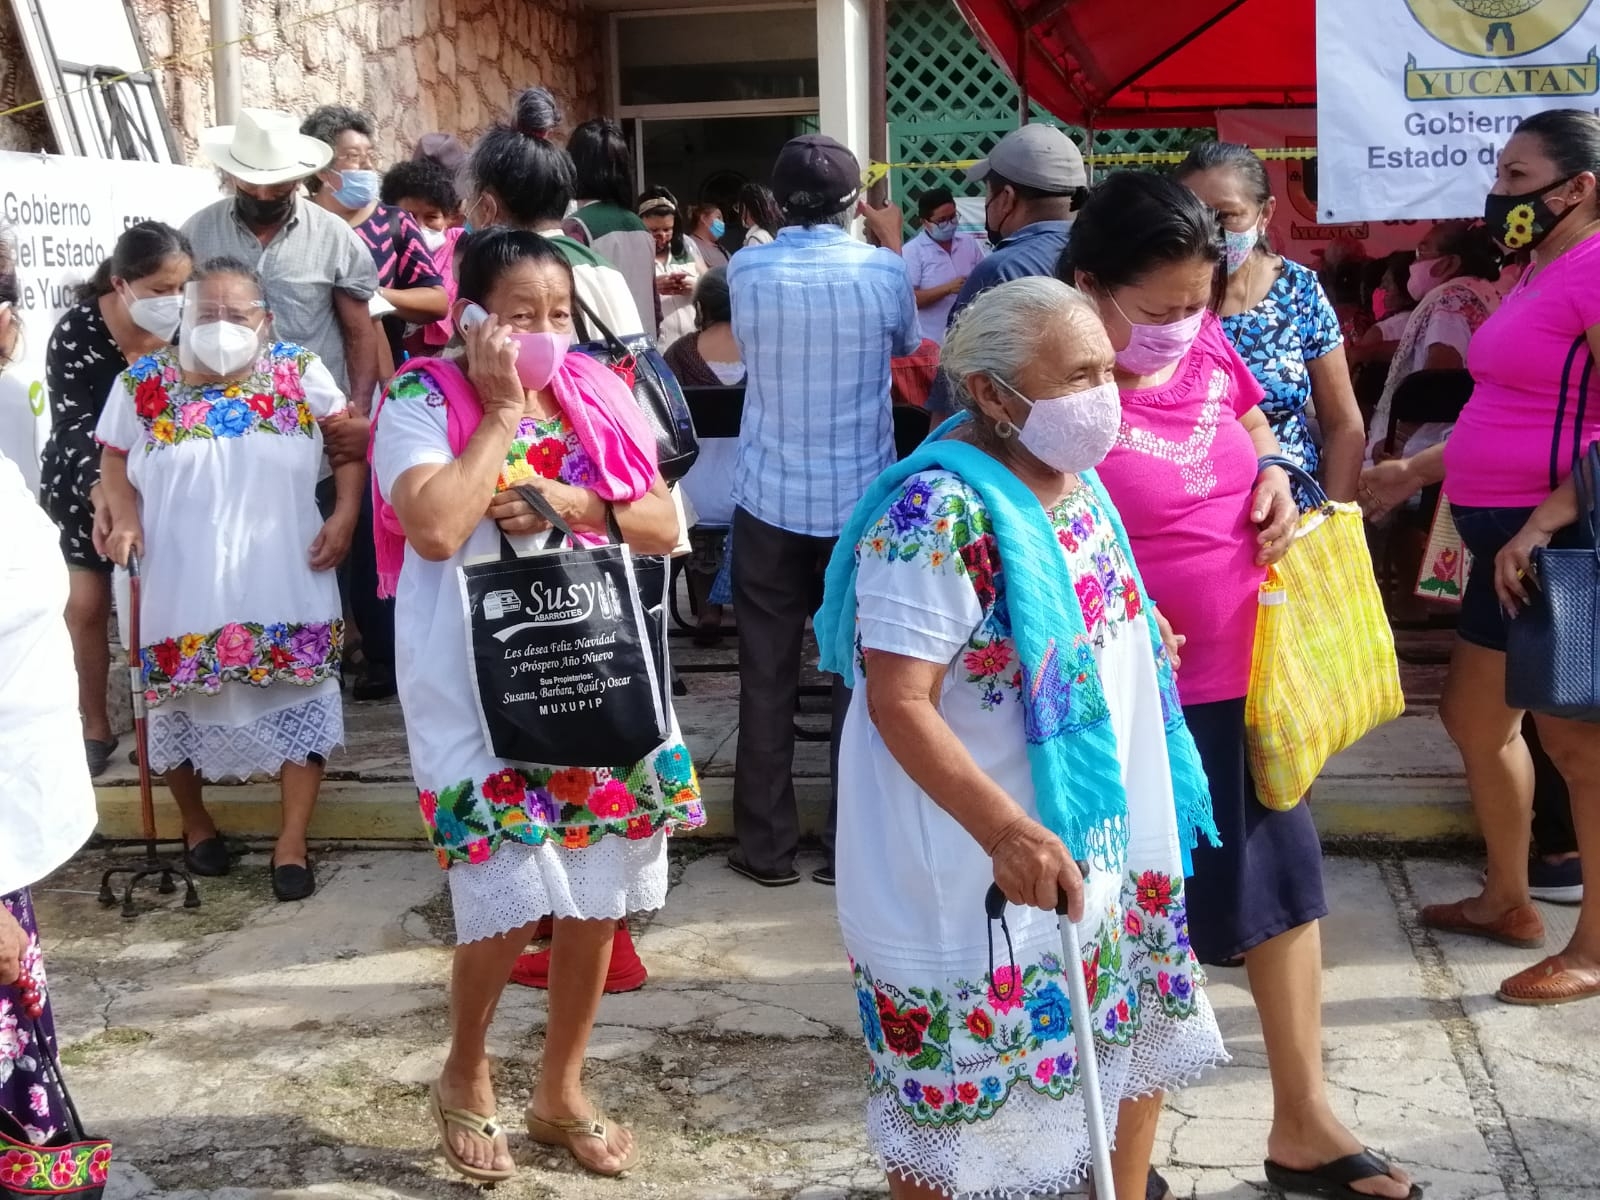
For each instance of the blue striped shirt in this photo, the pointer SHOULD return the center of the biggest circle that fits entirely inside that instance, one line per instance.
(817, 316)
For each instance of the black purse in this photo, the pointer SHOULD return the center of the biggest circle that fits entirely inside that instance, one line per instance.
(1553, 645)
(655, 389)
(569, 651)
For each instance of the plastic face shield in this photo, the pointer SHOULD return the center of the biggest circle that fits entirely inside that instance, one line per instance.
(225, 326)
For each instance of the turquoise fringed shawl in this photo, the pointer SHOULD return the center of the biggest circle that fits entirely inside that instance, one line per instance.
(1071, 747)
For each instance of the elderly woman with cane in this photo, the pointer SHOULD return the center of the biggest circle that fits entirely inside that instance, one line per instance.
(1021, 714)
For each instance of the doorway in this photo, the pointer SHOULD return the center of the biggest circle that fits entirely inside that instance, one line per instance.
(706, 160)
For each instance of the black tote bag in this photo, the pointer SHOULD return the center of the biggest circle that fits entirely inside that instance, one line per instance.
(567, 668)
(1553, 645)
(655, 389)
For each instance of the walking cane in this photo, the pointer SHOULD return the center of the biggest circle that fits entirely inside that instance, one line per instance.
(153, 863)
(1082, 1035)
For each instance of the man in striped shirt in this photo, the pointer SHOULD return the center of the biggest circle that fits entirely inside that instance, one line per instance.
(817, 316)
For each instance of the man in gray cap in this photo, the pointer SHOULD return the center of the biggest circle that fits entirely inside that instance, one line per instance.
(1035, 178)
(817, 316)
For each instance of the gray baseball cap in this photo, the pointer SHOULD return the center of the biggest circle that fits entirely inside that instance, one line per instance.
(1037, 156)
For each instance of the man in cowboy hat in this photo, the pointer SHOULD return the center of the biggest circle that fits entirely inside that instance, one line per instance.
(315, 272)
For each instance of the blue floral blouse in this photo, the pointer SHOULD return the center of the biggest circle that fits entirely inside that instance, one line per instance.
(1293, 325)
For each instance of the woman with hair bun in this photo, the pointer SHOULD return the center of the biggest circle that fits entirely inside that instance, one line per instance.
(1206, 513)
(1278, 319)
(518, 177)
(130, 307)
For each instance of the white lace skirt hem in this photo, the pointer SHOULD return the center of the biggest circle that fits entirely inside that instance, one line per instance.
(519, 884)
(1035, 1145)
(293, 733)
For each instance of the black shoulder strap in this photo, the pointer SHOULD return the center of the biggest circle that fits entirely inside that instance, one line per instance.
(1579, 343)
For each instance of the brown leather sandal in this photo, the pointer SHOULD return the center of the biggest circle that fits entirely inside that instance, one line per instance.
(1551, 982)
(563, 1132)
(1522, 927)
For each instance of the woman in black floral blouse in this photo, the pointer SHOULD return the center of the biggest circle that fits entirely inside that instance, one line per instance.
(129, 308)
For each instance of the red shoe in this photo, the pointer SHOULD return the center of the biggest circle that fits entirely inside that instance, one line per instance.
(626, 974)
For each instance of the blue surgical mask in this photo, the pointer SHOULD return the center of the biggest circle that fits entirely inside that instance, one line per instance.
(357, 189)
(718, 228)
(942, 231)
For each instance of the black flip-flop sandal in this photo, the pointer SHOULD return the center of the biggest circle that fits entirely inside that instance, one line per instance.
(1334, 1179)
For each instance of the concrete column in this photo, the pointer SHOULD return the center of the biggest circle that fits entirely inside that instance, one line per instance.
(844, 72)
(225, 60)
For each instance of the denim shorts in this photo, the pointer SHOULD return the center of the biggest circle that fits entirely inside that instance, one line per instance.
(1485, 531)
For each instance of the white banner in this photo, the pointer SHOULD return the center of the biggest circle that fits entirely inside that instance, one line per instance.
(1416, 98)
(64, 216)
(1295, 231)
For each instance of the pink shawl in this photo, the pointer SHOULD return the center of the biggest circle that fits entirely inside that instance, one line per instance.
(602, 411)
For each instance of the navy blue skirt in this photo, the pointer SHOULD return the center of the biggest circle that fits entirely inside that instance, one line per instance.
(1266, 877)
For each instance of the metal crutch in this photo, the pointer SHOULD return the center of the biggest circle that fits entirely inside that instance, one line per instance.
(1082, 1035)
(153, 863)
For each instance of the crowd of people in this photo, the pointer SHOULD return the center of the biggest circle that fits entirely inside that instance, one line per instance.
(337, 387)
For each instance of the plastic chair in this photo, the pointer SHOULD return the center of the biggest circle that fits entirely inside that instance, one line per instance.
(1426, 397)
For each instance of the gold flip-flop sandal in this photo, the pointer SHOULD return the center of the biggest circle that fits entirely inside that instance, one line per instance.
(563, 1133)
(485, 1127)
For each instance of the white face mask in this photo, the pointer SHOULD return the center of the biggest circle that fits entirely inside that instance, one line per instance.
(160, 315)
(1071, 433)
(223, 347)
(433, 239)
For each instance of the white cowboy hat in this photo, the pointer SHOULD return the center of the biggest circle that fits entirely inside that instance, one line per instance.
(264, 148)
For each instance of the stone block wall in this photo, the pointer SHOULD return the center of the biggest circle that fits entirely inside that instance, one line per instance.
(415, 65)
(26, 130)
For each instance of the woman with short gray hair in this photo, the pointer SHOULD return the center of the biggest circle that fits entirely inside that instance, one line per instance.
(1021, 718)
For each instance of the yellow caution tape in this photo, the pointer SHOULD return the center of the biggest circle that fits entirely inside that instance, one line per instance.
(876, 171)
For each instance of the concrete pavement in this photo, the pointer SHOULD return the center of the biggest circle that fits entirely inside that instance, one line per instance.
(253, 1049)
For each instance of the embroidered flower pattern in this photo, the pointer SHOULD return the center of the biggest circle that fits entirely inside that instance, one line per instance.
(954, 1052)
(271, 400)
(242, 652)
(571, 806)
(940, 526)
(546, 449)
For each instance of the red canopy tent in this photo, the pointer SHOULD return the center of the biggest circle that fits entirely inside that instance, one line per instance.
(1128, 64)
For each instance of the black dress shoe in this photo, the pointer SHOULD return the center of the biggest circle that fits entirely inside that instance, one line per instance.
(292, 881)
(824, 875)
(98, 753)
(771, 879)
(209, 858)
(375, 683)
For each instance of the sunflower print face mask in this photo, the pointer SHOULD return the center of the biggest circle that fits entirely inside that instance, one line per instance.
(1522, 222)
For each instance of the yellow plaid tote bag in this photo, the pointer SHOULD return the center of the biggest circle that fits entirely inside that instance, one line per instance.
(1324, 671)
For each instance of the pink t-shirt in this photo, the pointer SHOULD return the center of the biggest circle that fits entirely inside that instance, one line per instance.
(1531, 373)
(1181, 474)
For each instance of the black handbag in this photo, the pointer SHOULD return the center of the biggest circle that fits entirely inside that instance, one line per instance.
(70, 1163)
(568, 650)
(1553, 645)
(655, 389)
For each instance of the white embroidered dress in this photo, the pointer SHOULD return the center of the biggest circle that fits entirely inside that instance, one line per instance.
(241, 639)
(975, 1082)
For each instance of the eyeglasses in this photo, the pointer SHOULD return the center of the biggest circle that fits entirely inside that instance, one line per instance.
(356, 160)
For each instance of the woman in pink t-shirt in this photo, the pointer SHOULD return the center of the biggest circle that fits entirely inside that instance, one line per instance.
(1507, 470)
(1204, 520)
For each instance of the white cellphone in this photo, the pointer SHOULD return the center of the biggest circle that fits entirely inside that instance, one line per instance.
(472, 316)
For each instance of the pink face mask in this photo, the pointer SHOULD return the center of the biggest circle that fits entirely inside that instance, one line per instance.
(1153, 348)
(539, 357)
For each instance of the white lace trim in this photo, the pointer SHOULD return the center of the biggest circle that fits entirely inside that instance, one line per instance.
(1035, 1145)
(260, 747)
(519, 884)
